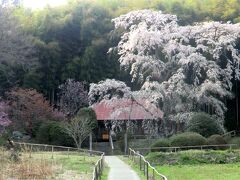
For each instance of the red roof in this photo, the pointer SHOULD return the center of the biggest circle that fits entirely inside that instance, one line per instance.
(120, 110)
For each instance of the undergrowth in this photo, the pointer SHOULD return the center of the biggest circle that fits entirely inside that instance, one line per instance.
(192, 157)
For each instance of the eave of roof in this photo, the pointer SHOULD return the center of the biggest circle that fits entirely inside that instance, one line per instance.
(125, 109)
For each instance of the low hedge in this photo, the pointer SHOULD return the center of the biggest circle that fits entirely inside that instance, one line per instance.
(192, 157)
(188, 139)
(216, 140)
(192, 139)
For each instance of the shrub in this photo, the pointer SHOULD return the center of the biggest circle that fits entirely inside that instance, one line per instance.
(188, 139)
(194, 157)
(4, 137)
(53, 133)
(2, 141)
(204, 124)
(160, 143)
(216, 140)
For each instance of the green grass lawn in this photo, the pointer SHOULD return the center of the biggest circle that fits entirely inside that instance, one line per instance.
(105, 172)
(72, 161)
(201, 172)
(194, 171)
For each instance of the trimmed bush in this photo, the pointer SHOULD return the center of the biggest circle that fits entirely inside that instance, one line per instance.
(204, 124)
(188, 139)
(160, 143)
(216, 140)
(53, 133)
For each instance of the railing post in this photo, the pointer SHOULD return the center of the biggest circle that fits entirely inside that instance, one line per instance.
(140, 162)
(100, 170)
(147, 172)
(153, 174)
(84, 153)
(96, 173)
(30, 153)
(52, 152)
(144, 169)
(68, 153)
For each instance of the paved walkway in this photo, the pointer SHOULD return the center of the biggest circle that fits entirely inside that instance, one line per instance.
(119, 170)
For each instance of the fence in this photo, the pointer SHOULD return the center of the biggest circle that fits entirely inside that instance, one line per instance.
(30, 148)
(179, 148)
(98, 168)
(230, 134)
(150, 172)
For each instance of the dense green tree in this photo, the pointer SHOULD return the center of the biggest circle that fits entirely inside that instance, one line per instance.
(17, 54)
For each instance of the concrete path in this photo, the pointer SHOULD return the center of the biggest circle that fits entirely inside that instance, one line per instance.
(119, 170)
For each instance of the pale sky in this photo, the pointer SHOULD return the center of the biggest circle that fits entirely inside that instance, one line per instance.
(35, 4)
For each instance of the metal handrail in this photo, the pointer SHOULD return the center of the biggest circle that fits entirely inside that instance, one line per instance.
(154, 171)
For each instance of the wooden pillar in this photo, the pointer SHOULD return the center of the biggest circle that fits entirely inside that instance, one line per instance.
(125, 143)
(90, 141)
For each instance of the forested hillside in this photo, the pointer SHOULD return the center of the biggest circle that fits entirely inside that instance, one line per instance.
(72, 41)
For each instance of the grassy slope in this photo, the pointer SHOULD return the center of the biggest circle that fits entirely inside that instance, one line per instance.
(105, 172)
(194, 170)
(202, 172)
(196, 157)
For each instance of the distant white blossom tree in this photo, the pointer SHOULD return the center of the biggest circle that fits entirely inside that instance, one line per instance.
(106, 90)
(185, 68)
(73, 96)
